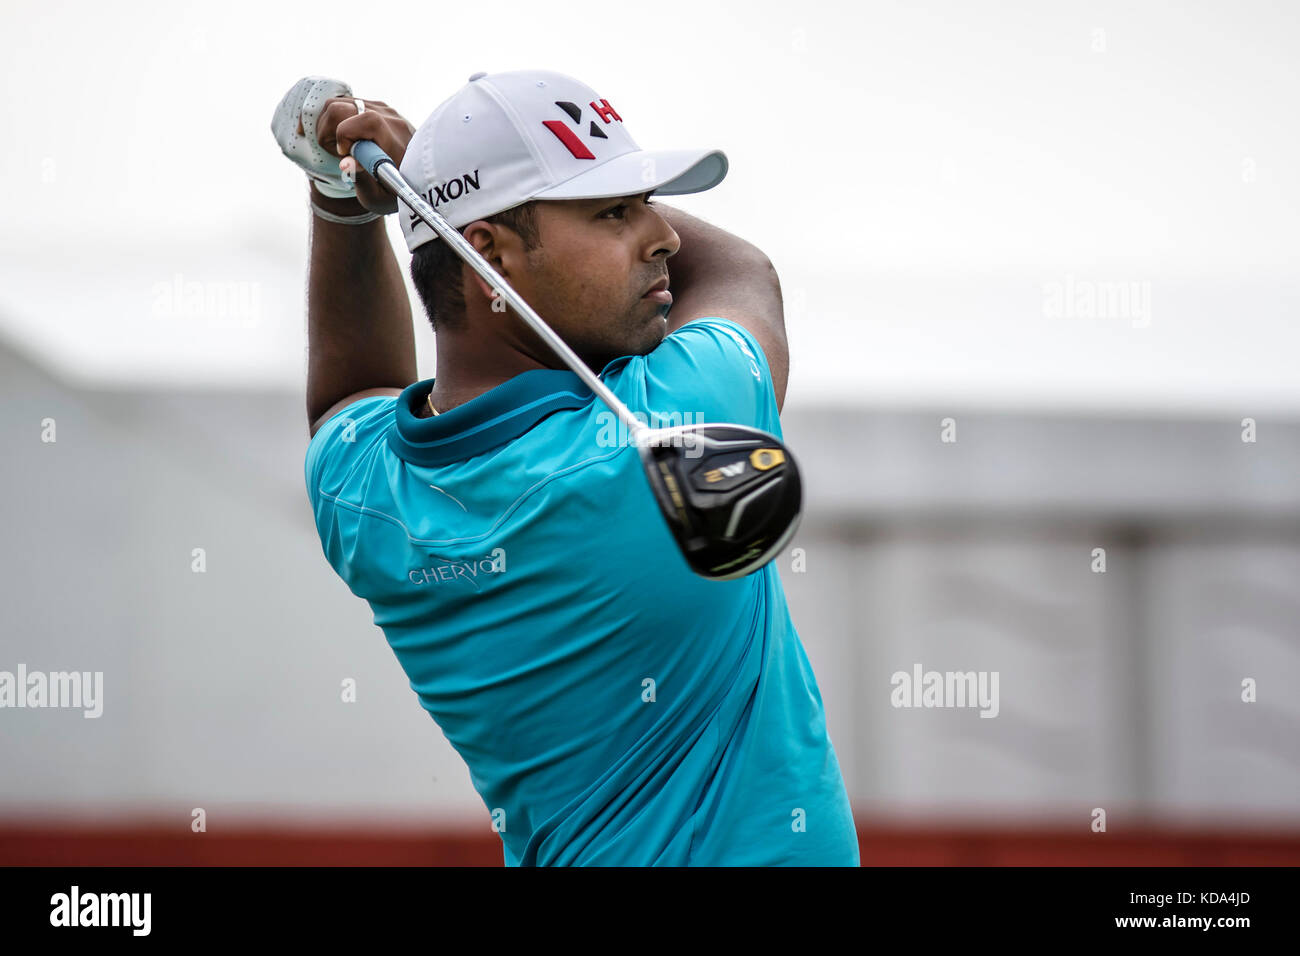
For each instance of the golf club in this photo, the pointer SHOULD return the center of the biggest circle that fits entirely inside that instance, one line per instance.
(732, 503)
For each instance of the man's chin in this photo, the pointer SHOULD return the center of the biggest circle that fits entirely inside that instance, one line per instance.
(658, 331)
(644, 336)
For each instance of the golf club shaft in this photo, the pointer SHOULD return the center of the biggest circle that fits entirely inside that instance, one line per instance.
(381, 166)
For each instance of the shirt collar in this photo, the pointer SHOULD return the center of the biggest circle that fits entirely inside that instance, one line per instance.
(499, 415)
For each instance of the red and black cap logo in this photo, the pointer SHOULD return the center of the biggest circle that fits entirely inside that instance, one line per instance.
(569, 138)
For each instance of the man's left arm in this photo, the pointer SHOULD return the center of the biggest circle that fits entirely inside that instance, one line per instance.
(716, 273)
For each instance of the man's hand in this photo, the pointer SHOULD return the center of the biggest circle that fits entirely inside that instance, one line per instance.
(340, 125)
(294, 127)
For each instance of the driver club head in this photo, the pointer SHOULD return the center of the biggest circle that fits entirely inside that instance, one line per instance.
(731, 494)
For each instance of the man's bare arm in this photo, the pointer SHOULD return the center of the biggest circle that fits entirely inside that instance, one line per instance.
(359, 327)
(715, 273)
(360, 338)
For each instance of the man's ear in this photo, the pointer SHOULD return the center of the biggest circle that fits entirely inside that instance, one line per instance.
(483, 237)
(497, 244)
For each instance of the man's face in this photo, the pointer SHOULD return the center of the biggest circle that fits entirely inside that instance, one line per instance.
(589, 276)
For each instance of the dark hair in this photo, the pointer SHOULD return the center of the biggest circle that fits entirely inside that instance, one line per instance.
(436, 268)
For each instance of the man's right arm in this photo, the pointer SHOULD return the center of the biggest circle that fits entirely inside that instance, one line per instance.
(715, 273)
(360, 338)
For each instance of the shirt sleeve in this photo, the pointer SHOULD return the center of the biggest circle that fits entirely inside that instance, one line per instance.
(713, 370)
(343, 442)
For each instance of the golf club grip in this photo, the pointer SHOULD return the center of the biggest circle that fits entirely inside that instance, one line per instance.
(369, 155)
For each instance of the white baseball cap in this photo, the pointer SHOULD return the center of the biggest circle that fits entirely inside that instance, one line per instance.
(506, 138)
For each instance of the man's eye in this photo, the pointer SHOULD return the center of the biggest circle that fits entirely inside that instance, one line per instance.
(621, 209)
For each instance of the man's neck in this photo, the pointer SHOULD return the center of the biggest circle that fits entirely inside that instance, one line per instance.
(445, 399)
(462, 375)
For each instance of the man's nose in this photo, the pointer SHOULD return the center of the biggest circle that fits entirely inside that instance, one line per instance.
(665, 239)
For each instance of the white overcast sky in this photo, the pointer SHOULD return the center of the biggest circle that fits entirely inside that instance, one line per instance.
(923, 175)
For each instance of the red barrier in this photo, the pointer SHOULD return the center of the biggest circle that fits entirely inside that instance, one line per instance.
(147, 844)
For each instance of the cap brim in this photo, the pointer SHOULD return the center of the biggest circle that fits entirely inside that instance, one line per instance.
(670, 172)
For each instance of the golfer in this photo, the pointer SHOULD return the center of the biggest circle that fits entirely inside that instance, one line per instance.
(614, 708)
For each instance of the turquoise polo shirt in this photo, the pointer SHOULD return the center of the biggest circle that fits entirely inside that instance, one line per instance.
(613, 707)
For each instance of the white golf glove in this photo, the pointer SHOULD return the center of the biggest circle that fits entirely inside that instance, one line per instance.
(306, 99)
